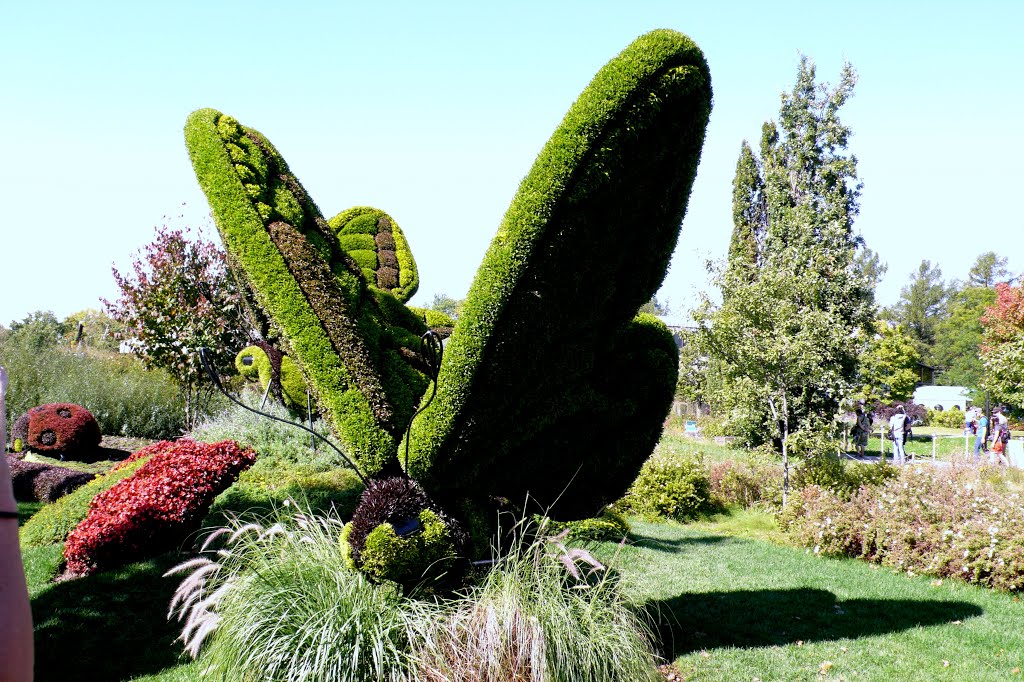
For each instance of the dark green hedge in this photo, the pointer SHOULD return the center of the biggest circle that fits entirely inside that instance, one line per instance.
(547, 380)
(288, 256)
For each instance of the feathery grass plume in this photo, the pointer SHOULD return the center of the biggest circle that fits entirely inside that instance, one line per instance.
(543, 612)
(276, 602)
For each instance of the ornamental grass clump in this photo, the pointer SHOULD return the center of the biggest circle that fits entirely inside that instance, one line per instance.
(950, 523)
(544, 611)
(277, 602)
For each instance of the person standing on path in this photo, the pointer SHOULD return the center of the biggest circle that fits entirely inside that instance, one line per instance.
(15, 613)
(861, 431)
(898, 429)
(979, 438)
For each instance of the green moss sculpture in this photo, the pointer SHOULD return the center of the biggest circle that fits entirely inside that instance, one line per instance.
(552, 384)
(269, 367)
(378, 245)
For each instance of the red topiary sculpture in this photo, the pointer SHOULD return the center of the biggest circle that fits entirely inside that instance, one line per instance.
(63, 428)
(156, 508)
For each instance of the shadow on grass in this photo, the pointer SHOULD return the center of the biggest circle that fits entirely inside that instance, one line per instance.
(112, 626)
(675, 544)
(749, 618)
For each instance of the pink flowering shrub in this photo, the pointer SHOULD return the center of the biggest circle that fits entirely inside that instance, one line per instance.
(157, 507)
(941, 522)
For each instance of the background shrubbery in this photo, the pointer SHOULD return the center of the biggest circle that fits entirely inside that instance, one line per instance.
(946, 523)
(953, 419)
(671, 488)
(287, 467)
(125, 398)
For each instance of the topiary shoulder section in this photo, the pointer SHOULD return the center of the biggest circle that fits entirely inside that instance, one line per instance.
(376, 242)
(287, 255)
(269, 367)
(586, 241)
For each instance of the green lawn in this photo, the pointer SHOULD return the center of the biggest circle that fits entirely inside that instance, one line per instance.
(732, 604)
(733, 608)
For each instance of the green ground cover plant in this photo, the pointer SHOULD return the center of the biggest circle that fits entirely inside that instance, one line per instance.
(287, 466)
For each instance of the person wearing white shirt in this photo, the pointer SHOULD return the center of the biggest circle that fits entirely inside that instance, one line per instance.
(898, 428)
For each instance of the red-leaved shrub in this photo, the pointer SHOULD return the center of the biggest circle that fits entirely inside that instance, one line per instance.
(156, 508)
(38, 482)
(62, 427)
(946, 523)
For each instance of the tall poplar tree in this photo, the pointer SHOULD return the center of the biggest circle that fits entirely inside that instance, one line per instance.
(783, 340)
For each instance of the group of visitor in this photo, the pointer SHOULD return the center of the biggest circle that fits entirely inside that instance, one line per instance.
(899, 431)
(996, 430)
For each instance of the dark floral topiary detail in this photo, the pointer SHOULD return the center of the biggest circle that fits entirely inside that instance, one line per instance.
(63, 428)
(156, 508)
(398, 533)
(38, 482)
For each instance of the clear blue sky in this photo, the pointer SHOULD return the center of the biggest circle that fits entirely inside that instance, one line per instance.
(435, 111)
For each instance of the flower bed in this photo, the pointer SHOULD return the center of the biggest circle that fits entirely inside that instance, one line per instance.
(157, 507)
(946, 523)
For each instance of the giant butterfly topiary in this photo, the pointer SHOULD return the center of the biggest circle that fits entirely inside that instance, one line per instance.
(552, 385)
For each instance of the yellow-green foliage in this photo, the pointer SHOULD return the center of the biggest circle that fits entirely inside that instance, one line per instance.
(288, 256)
(52, 523)
(293, 386)
(265, 488)
(670, 488)
(549, 384)
(387, 556)
(610, 526)
(375, 241)
(434, 318)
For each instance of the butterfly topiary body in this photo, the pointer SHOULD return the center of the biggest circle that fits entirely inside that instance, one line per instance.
(552, 385)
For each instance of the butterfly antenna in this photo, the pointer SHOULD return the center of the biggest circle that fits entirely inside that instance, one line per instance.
(204, 358)
(432, 350)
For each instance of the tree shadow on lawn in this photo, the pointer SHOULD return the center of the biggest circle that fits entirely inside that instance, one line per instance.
(756, 618)
(673, 545)
(110, 626)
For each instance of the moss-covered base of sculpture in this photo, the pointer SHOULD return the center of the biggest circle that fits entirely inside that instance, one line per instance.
(398, 534)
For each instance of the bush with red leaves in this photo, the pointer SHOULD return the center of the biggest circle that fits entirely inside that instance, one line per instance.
(63, 428)
(38, 482)
(156, 508)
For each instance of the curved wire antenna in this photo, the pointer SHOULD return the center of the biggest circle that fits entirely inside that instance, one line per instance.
(432, 349)
(204, 357)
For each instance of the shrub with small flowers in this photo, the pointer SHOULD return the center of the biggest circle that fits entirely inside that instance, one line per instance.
(157, 507)
(946, 523)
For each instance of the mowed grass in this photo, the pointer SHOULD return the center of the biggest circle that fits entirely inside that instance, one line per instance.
(732, 604)
(732, 608)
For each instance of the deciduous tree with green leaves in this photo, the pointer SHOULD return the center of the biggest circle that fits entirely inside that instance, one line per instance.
(783, 339)
(888, 364)
(178, 298)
